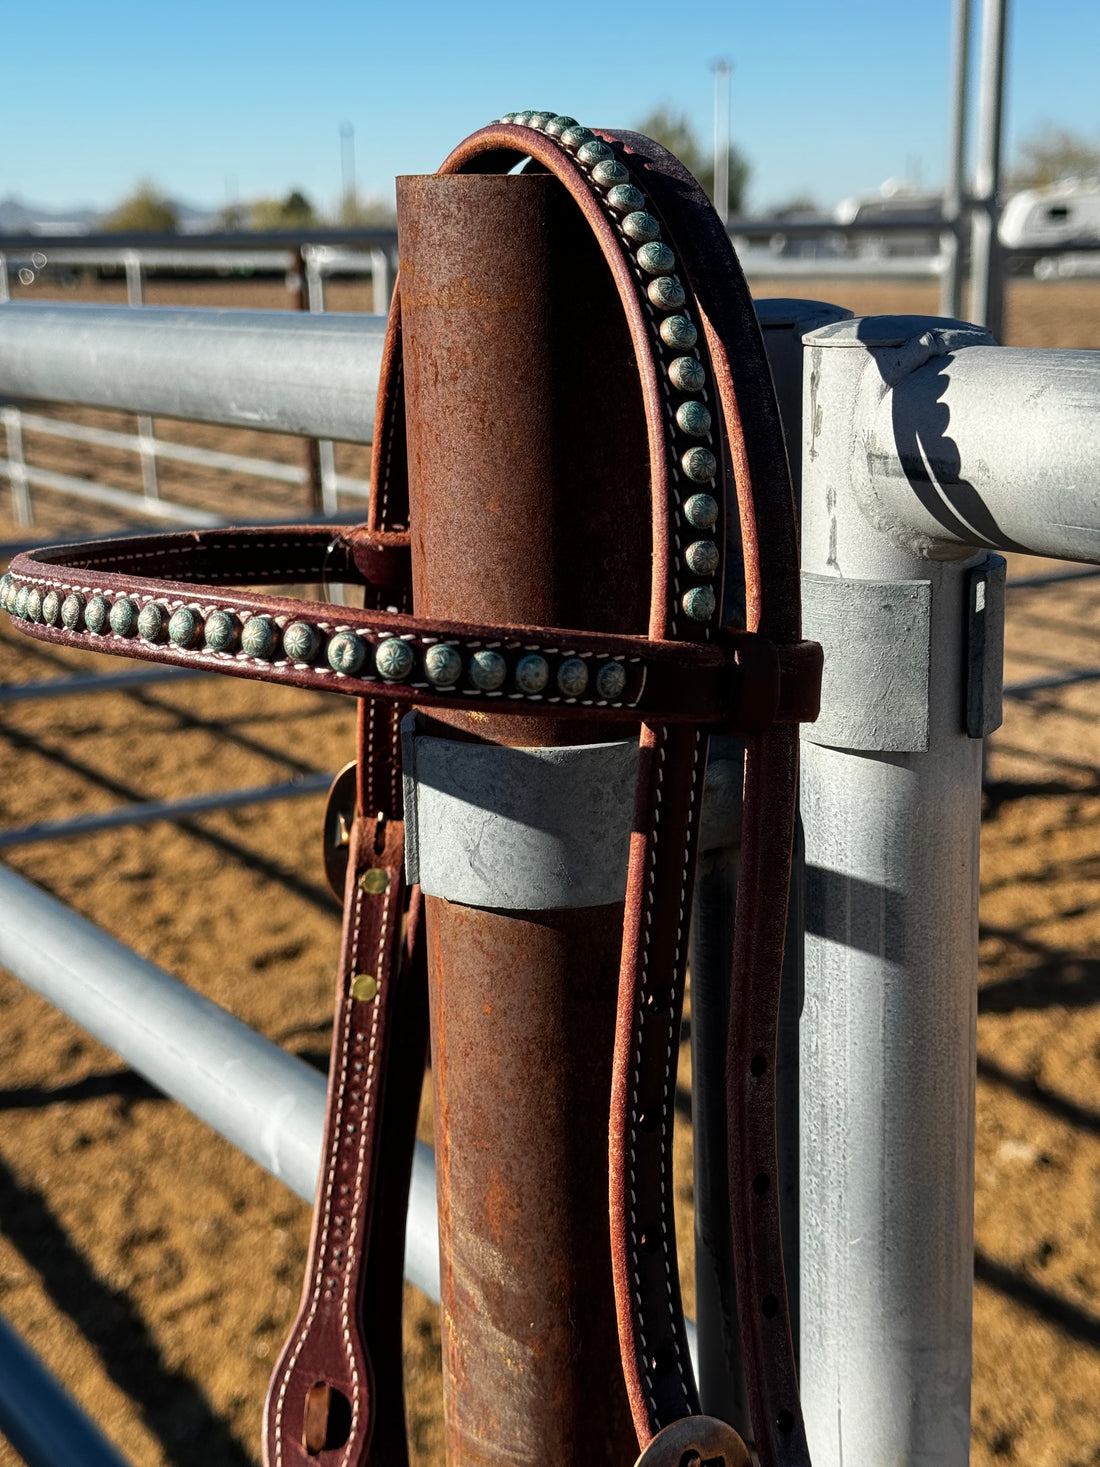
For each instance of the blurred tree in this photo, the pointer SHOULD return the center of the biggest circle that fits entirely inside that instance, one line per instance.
(293, 212)
(233, 217)
(674, 131)
(354, 209)
(1052, 153)
(146, 208)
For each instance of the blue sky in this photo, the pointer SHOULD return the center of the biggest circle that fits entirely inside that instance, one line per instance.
(829, 97)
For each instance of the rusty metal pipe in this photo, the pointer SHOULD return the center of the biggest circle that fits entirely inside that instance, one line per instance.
(528, 483)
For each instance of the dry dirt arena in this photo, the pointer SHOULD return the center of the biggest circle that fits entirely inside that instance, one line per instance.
(157, 1271)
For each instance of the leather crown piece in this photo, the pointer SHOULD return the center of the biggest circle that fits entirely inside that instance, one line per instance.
(712, 420)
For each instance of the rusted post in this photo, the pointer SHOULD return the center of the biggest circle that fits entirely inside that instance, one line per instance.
(528, 475)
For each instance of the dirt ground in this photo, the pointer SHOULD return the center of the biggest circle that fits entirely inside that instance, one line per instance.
(157, 1271)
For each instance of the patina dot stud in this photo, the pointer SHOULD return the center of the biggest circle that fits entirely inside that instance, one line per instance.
(701, 511)
(260, 638)
(443, 665)
(221, 631)
(301, 642)
(656, 258)
(573, 677)
(124, 617)
(641, 227)
(521, 119)
(699, 603)
(609, 172)
(508, 117)
(488, 670)
(51, 608)
(97, 615)
(152, 621)
(700, 465)
(693, 418)
(364, 987)
(666, 293)
(34, 604)
(679, 333)
(557, 125)
(5, 587)
(594, 152)
(184, 627)
(71, 610)
(540, 119)
(20, 602)
(394, 659)
(625, 198)
(687, 374)
(375, 881)
(702, 557)
(532, 674)
(576, 137)
(346, 653)
(611, 680)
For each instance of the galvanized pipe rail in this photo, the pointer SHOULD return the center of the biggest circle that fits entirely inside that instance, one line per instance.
(310, 374)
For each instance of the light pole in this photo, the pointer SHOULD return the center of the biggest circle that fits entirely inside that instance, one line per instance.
(347, 163)
(722, 70)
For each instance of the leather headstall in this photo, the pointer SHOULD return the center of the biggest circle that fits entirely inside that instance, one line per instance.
(336, 1396)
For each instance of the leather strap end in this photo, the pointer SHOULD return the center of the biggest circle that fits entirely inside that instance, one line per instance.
(800, 666)
(381, 557)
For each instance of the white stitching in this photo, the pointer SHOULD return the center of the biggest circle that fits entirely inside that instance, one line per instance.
(330, 1180)
(651, 879)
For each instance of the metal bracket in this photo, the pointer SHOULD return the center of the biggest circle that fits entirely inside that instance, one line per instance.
(518, 829)
(985, 646)
(878, 699)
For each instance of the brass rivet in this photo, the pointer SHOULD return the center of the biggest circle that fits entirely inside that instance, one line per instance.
(364, 987)
(375, 881)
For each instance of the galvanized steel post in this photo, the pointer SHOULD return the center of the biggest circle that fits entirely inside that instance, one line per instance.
(987, 285)
(147, 449)
(527, 451)
(952, 239)
(890, 803)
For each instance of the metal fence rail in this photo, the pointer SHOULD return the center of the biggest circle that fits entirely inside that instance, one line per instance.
(312, 375)
(307, 374)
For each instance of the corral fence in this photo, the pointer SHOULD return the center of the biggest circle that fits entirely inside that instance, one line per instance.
(304, 263)
(884, 247)
(923, 450)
